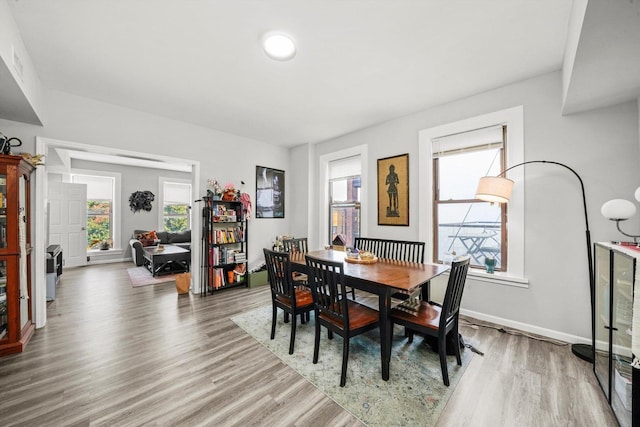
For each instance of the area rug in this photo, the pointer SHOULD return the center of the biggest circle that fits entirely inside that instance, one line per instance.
(414, 394)
(140, 276)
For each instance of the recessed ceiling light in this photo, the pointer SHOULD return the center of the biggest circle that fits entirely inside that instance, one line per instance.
(279, 46)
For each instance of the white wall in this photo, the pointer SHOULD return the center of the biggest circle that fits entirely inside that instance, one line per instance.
(298, 191)
(29, 82)
(601, 145)
(223, 156)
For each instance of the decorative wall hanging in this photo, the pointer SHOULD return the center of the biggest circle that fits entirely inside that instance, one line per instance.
(269, 193)
(393, 190)
(141, 200)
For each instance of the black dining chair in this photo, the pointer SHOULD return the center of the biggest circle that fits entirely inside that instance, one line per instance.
(291, 299)
(334, 310)
(297, 246)
(431, 319)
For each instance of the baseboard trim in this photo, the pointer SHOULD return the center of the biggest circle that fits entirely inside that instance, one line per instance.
(95, 260)
(525, 327)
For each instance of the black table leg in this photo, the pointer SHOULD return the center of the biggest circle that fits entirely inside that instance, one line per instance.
(386, 334)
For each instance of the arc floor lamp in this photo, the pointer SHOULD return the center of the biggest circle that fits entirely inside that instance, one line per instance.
(497, 189)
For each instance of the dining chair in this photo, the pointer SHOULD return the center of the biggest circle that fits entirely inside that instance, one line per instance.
(298, 246)
(334, 310)
(285, 295)
(431, 319)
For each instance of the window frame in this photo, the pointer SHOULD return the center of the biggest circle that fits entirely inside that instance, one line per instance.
(161, 183)
(323, 193)
(513, 118)
(504, 256)
(115, 204)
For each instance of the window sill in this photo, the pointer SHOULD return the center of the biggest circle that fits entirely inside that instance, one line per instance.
(108, 252)
(499, 278)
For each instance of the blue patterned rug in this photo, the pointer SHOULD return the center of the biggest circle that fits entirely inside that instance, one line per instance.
(414, 394)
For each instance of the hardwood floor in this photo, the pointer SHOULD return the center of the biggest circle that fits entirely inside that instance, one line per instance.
(114, 355)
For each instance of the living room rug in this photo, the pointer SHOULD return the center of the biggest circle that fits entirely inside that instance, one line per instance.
(414, 394)
(140, 276)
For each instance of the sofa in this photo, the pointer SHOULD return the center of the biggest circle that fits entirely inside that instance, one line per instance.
(182, 239)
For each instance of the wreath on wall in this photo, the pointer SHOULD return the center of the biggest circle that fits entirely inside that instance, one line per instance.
(141, 200)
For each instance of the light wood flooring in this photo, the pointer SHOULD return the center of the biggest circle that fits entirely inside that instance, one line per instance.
(114, 355)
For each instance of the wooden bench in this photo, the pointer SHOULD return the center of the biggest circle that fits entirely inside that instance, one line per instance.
(399, 250)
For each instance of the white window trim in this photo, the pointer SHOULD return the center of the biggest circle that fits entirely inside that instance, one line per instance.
(161, 181)
(323, 196)
(513, 118)
(117, 224)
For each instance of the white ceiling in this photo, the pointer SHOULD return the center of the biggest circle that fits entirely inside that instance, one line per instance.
(359, 62)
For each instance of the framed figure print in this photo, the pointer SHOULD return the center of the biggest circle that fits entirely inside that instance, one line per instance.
(393, 190)
(269, 193)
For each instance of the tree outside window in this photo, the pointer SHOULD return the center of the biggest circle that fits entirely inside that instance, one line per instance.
(176, 208)
(100, 209)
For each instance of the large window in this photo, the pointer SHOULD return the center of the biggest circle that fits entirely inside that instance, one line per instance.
(463, 224)
(176, 204)
(344, 198)
(101, 192)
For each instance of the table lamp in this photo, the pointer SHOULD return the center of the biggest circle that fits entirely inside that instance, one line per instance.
(497, 189)
(620, 210)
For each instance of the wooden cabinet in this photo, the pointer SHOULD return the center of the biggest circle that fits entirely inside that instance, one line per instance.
(615, 271)
(224, 245)
(16, 321)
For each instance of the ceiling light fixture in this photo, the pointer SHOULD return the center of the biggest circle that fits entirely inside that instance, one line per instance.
(279, 46)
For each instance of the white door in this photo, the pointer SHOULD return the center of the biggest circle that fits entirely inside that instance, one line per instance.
(68, 221)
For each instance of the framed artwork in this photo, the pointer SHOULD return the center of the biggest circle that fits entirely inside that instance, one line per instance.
(393, 190)
(269, 193)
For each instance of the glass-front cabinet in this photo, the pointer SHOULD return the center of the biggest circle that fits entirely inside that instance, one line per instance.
(615, 270)
(16, 321)
(603, 315)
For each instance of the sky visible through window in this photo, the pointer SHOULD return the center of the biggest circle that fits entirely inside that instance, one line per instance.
(465, 226)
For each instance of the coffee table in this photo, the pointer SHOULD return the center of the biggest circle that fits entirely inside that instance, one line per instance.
(173, 259)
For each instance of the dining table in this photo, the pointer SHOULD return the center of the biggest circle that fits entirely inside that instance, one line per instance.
(383, 278)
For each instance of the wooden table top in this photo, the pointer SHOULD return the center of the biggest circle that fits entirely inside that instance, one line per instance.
(401, 275)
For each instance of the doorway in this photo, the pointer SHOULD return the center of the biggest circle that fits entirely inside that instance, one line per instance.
(116, 156)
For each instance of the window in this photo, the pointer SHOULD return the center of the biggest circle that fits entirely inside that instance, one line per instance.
(344, 198)
(463, 224)
(513, 120)
(176, 204)
(101, 192)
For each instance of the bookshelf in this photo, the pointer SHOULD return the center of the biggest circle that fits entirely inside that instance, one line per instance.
(224, 246)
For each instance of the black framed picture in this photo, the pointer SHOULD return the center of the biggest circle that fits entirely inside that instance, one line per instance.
(269, 192)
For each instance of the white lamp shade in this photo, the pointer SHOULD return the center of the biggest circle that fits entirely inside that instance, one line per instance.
(637, 194)
(618, 209)
(494, 189)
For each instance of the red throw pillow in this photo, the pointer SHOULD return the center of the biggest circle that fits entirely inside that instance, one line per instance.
(151, 235)
(148, 239)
